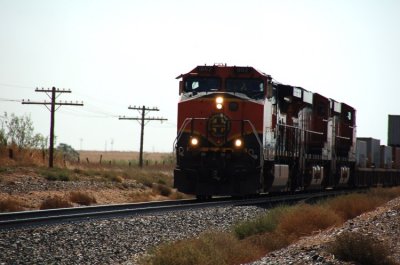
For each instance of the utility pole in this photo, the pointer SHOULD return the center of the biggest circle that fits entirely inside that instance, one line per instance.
(143, 111)
(54, 94)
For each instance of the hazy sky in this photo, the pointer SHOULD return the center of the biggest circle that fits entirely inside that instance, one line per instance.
(116, 53)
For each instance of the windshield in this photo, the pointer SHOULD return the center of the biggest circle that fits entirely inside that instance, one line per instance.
(253, 88)
(202, 84)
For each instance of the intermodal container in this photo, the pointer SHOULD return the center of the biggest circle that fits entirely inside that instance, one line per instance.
(361, 153)
(394, 130)
(373, 151)
(396, 157)
(386, 156)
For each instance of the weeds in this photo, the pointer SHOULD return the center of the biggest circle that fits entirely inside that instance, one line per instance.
(140, 196)
(264, 223)
(356, 247)
(162, 189)
(304, 219)
(82, 198)
(269, 241)
(10, 205)
(112, 176)
(352, 205)
(55, 202)
(211, 248)
(56, 174)
(277, 229)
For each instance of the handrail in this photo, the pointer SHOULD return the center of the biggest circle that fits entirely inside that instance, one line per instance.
(184, 124)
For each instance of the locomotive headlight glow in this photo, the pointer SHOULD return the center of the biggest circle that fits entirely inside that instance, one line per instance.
(219, 101)
(238, 143)
(194, 141)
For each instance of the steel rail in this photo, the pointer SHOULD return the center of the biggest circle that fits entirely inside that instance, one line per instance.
(64, 215)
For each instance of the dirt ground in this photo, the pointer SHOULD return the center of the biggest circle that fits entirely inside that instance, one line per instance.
(26, 183)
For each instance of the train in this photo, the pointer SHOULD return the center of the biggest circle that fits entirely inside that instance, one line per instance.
(240, 133)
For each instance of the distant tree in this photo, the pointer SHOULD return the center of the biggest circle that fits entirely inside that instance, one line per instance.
(19, 131)
(40, 141)
(69, 152)
(3, 135)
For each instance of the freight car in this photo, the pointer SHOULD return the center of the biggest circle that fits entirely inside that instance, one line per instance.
(241, 133)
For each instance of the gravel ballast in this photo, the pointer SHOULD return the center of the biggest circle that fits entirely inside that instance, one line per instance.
(114, 241)
(121, 241)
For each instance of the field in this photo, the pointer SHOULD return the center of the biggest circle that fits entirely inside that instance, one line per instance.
(26, 183)
(125, 157)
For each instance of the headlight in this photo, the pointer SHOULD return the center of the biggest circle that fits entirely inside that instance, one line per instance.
(238, 143)
(219, 101)
(194, 141)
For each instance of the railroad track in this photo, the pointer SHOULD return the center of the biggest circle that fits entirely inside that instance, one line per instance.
(65, 215)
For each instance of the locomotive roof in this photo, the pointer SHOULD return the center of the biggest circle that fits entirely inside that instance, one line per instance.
(221, 69)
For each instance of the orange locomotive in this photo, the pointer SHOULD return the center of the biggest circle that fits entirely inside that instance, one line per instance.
(239, 133)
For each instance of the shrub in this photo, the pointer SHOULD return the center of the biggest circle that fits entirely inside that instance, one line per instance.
(55, 202)
(264, 223)
(140, 196)
(269, 241)
(10, 205)
(356, 247)
(112, 176)
(386, 194)
(211, 248)
(352, 205)
(162, 189)
(82, 198)
(56, 174)
(304, 219)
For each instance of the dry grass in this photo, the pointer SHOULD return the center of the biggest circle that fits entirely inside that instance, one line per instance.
(269, 241)
(123, 158)
(356, 247)
(213, 248)
(141, 196)
(305, 219)
(10, 205)
(162, 189)
(82, 198)
(352, 205)
(276, 230)
(55, 202)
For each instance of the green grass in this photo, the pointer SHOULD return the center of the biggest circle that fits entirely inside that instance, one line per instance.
(56, 174)
(262, 224)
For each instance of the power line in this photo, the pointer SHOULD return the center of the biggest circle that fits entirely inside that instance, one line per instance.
(10, 100)
(53, 96)
(143, 121)
(13, 85)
